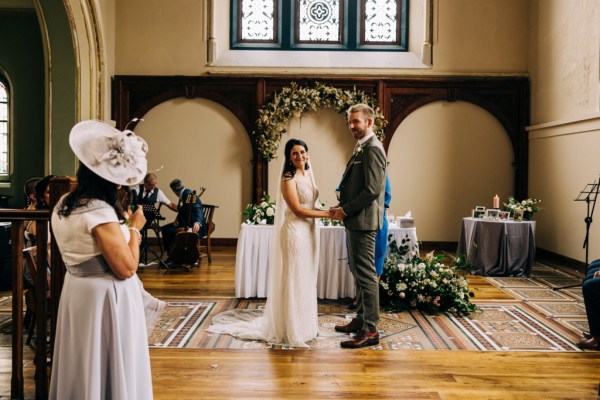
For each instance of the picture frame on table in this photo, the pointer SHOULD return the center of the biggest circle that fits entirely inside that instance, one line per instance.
(504, 216)
(477, 213)
(518, 215)
(492, 213)
(480, 208)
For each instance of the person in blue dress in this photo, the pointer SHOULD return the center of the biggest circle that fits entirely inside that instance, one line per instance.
(381, 240)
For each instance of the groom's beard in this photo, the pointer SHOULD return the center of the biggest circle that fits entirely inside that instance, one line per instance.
(358, 133)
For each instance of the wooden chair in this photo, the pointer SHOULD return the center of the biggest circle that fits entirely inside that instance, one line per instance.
(30, 255)
(205, 244)
(30, 259)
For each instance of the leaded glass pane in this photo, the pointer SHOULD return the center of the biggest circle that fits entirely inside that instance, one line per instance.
(3, 130)
(257, 20)
(381, 21)
(318, 20)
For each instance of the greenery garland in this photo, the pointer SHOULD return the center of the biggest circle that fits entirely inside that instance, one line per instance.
(293, 101)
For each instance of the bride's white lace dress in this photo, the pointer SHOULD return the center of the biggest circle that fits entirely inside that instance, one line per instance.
(290, 314)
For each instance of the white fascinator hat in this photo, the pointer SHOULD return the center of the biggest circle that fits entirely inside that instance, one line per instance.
(117, 156)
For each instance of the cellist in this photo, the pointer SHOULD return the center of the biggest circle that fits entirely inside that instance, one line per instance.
(189, 215)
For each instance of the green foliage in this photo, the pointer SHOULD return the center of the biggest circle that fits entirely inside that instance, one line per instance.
(262, 213)
(293, 101)
(409, 281)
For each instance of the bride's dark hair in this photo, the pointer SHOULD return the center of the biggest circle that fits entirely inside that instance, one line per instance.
(288, 168)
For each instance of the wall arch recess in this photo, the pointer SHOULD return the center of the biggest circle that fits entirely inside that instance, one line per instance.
(507, 98)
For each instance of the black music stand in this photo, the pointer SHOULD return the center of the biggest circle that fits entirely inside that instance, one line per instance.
(589, 195)
(152, 216)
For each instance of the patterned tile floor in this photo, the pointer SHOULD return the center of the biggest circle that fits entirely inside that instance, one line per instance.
(538, 319)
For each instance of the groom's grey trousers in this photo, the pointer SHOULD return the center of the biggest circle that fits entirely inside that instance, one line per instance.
(361, 253)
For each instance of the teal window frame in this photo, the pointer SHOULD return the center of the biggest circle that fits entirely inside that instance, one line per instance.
(286, 31)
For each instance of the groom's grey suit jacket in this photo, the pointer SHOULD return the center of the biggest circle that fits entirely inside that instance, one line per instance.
(362, 188)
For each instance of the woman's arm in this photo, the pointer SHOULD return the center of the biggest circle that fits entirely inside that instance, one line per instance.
(290, 195)
(122, 258)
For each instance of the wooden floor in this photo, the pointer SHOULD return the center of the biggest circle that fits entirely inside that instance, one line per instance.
(348, 374)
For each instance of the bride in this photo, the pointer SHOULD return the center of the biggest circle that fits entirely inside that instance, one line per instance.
(290, 314)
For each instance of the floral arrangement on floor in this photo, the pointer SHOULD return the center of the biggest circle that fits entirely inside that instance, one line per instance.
(262, 213)
(528, 206)
(409, 281)
(293, 101)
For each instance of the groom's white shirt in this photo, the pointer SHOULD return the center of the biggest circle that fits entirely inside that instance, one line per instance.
(367, 137)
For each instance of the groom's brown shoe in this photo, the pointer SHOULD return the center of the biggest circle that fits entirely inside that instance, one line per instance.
(363, 339)
(589, 344)
(353, 326)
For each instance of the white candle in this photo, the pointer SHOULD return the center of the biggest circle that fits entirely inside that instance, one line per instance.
(496, 202)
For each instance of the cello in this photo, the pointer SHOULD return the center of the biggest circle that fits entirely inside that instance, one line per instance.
(186, 250)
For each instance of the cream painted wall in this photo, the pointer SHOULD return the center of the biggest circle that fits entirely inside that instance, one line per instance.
(445, 159)
(156, 37)
(565, 136)
(564, 54)
(470, 36)
(563, 159)
(473, 36)
(216, 155)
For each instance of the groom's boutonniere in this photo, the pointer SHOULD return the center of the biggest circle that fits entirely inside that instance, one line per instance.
(359, 149)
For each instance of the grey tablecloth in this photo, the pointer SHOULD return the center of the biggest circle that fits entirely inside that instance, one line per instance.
(500, 248)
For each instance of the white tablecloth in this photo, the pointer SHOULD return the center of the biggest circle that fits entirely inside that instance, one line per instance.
(334, 280)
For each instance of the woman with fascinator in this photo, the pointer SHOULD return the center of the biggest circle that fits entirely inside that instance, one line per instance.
(101, 347)
(290, 314)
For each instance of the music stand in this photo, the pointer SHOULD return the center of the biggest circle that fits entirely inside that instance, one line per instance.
(152, 216)
(589, 195)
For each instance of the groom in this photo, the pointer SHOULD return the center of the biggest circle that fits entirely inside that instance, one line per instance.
(361, 208)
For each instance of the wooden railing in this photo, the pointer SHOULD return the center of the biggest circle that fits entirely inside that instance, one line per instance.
(43, 351)
(17, 219)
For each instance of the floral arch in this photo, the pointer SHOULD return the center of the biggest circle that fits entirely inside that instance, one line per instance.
(293, 101)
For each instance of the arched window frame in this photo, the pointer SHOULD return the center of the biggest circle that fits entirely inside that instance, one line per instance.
(286, 29)
(5, 97)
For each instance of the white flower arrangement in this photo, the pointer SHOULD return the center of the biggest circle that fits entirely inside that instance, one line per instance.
(426, 284)
(293, 101)
(527, 206)
(262, 213)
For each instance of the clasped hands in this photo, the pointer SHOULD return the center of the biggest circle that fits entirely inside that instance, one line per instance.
(336, 213)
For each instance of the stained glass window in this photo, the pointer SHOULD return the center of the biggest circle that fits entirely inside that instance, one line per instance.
(3, 130)
(354, 25)
(380, 21)
(257, 20)
(319, 20)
